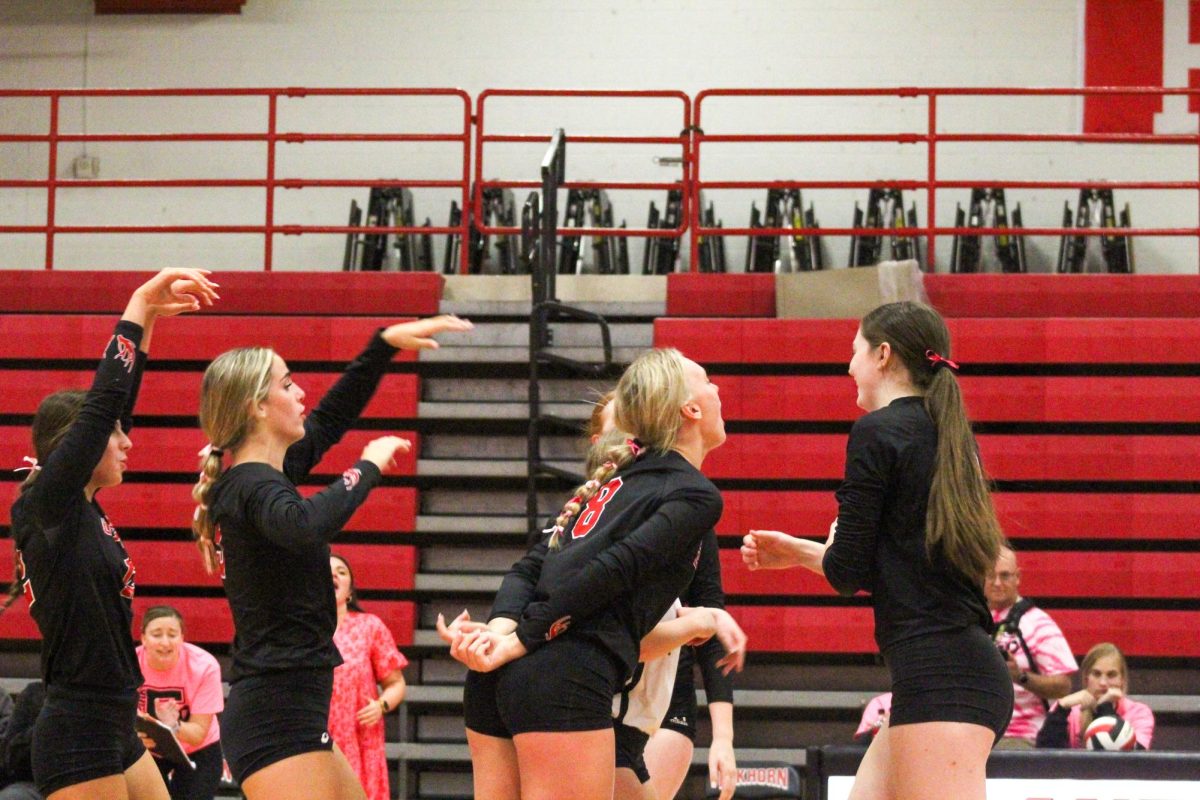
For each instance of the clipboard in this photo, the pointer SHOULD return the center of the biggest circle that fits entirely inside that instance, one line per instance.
(166, 745)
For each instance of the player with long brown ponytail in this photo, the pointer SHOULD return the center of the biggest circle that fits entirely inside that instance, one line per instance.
(917, 530)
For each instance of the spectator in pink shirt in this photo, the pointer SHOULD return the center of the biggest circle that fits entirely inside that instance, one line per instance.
(1105, 684)
(1038, 656)
(182, 690)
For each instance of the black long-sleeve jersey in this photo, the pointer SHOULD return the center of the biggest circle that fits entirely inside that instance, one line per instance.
(880, 541)
(625, 558)
(706, 590)
(77, 577)
(274, 544)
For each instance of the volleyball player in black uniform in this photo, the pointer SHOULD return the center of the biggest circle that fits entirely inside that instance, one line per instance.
(573, 612)
(654, 750)
(917, 530)
(272, 546)
(75, 573)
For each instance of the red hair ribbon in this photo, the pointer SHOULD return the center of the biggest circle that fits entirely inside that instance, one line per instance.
(634, 447)
(938, 361)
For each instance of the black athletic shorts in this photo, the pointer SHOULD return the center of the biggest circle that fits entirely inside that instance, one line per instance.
(81, 735)
(954, 676)
(274, 716)
(681, 715)
(565, 685)
(631, 750)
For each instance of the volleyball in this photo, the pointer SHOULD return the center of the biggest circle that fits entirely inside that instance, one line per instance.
(1110, 733)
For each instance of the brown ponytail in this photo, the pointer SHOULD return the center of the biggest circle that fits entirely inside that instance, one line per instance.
(960, 519)
(54, 417)
(233, 383)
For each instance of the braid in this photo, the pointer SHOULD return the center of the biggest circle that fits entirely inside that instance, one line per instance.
(203, 529)
(612, 457)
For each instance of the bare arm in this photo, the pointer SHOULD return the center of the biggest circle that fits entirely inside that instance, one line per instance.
(697, 623)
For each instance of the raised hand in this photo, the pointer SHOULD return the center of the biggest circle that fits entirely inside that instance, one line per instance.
(175, 291)
(382, 451)
(418, 334)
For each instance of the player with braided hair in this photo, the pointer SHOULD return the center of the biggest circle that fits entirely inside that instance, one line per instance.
(567, 625)
(272, 547)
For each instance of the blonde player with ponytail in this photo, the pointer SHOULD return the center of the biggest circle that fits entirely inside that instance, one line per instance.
(917, 530)
(570, 617)
(271, 546)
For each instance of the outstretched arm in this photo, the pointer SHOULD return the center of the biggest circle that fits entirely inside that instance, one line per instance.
(69, 467)
(344, 402)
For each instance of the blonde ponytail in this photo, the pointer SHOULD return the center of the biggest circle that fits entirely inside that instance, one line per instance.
(233, 384)
(203, 529)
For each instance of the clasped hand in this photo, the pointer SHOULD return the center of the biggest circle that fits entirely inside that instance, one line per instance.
(477, 646)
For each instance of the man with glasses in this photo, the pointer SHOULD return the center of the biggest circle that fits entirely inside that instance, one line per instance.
(1039, 658)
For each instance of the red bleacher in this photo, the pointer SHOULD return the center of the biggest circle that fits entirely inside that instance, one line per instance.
(842, 630)
(177, 393)
(326, 293)
(1125, 370)
(1015, 457)
(690, 294)
(1024, 515)
(1075, 574)
(976, 341)
(196, 338)
(1024, 398)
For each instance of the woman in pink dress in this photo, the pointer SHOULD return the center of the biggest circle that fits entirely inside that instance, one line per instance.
(366, 686)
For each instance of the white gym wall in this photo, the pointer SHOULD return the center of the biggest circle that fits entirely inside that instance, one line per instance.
(669, 44)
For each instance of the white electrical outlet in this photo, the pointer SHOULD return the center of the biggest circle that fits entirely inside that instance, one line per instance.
(86, 167)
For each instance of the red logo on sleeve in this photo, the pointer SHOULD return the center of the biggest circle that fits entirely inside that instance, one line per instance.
(127, 581)
(560, 626)
(351, 477)
(125, 352)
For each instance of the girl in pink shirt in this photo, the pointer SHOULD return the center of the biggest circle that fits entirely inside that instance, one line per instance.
(366, 686)
(182, 690)
(1105, 680)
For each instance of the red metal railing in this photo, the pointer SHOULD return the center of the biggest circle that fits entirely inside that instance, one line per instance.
(689, 138)
(271, 136)
(930, 182)
(680, 139)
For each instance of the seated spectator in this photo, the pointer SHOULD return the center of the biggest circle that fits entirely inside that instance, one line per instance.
(182, 690)
(368, 684)
(1039, 658)
(874, 718)
(16, 742)
(1105, 683)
